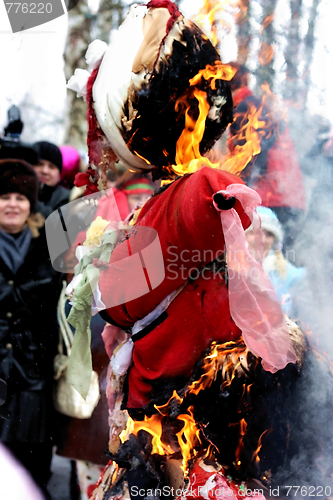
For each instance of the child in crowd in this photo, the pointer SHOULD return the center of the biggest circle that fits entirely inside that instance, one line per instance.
(289, 281)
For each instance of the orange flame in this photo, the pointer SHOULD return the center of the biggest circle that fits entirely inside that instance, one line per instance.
(265, 54)
(153, 425)
(124, 435)
(163, 410)
(242, 432)
(217, 16)
(255, 455)
(226, 357)
(219, 71)
(188, 156)
(250, 136)
(248, 139)
(252, 130)
(189, 141)
(188, 438)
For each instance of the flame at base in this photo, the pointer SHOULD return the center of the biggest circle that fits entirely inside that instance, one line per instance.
(230, 359)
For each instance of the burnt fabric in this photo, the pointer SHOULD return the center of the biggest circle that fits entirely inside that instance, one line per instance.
(274, 173)
(28, 343)
(158, 93)
(190, 234)
(157, 128)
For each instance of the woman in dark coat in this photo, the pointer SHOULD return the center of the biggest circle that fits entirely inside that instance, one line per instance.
(29, 290)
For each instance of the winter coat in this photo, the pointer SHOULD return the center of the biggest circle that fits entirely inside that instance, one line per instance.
(51, 198)
(294, 291)
(275, 172)
(28, 343)
(287, 284)
(87, 439)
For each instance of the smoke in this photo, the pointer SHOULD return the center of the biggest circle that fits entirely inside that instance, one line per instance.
(312, 464)
(311, 432)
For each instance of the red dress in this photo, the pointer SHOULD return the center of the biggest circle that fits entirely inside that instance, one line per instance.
(190, 236)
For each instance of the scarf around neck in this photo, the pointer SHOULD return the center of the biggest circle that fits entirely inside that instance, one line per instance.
(13, 250)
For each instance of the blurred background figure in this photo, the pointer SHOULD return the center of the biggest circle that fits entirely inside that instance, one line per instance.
(10, 144)
(51, 194)
(290, 282)
(86, 440)
(313, 246)
(130, 191)
(318, 165)
(28, 326)
(71, 162)
(274, 173)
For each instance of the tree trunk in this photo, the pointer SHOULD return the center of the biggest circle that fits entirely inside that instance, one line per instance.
(78, 41)
(243, 31)
(266, 72)
(292, 53)
(309, 46)
(110, 15)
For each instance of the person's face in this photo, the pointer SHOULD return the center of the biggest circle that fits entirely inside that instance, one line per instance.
(48, 173)
(110, 184)
(268, 241)
(136, 200)
(14, 211)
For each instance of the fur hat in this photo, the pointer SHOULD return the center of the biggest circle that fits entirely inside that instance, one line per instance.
(271, 223)
(50, 152)
(17, 176)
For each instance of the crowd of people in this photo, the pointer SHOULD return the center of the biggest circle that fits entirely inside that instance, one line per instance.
(37, 180)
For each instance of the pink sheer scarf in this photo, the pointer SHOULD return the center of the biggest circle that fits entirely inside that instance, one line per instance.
(254, 305)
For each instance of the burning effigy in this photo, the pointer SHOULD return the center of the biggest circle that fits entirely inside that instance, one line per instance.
(201, 389)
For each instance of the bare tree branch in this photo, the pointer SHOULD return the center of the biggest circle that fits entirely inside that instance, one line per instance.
(78, 40)
(292, 52)
(265, 71)
(243, 31)
(309, 45)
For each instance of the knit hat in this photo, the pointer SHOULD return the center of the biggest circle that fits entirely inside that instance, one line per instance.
(50, 152)
(140, 185)
(17, 176)
(271, 223)
(70, 165)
